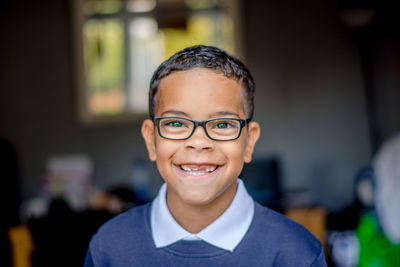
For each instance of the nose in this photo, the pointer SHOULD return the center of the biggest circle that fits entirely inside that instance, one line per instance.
(199, 140)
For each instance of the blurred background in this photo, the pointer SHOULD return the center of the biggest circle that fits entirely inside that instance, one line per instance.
(73, 92)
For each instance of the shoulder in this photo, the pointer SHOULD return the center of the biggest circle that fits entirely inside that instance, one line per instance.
(289, 240)
(127, 221)
(126, 234)
(282, 225)
(123, 230)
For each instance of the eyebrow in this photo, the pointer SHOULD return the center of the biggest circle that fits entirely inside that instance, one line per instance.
(226, 113)
(184, 114)
(175, 112)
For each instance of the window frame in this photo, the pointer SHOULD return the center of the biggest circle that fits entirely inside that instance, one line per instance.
(83, 113)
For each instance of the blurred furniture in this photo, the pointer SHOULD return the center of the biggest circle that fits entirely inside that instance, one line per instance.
(22, 245)
(312, 218)
(262, 177)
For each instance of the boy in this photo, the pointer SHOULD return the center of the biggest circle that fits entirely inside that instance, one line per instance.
(199, 135)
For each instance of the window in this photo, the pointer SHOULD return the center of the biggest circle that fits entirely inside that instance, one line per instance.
(119, 44)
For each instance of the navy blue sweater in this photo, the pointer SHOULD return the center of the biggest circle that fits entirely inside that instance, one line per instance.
(272, 240)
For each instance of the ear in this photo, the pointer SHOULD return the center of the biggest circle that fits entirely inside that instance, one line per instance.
(148, 131)
(253, 133)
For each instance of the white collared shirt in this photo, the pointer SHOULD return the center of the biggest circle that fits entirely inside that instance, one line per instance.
(225, 232)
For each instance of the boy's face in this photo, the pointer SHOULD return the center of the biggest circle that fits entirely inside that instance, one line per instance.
(199, 170)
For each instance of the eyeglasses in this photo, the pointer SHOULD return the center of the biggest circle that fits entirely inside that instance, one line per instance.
(218, 129)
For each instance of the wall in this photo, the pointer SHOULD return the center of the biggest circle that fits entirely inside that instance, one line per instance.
(38, 101)
(310, 101)
(384, 40)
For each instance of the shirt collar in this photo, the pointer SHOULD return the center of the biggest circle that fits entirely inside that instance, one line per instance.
(225, 232)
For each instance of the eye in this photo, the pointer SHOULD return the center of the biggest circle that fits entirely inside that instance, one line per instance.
(174, 124)
(223, 125)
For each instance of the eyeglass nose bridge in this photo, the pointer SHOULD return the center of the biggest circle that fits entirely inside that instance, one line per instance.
(203, 125)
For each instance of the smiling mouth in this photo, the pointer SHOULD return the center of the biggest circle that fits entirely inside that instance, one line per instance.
(198, 170)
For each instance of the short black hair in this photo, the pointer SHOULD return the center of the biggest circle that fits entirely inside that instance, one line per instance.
(209, 57)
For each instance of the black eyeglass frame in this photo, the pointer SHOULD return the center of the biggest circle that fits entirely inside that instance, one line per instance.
(242, 122)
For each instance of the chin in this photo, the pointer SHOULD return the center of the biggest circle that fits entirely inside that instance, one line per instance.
(198, 201)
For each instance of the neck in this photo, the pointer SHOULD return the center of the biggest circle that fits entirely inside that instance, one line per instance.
(195, 217)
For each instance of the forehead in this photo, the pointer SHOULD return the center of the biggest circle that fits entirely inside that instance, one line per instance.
(201, 92)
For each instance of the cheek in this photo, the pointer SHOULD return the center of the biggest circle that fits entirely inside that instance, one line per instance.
(163, 156)
(165, 150)
(235, 152)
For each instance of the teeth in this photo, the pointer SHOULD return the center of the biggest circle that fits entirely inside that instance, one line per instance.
(186, 168)
(196, 171)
